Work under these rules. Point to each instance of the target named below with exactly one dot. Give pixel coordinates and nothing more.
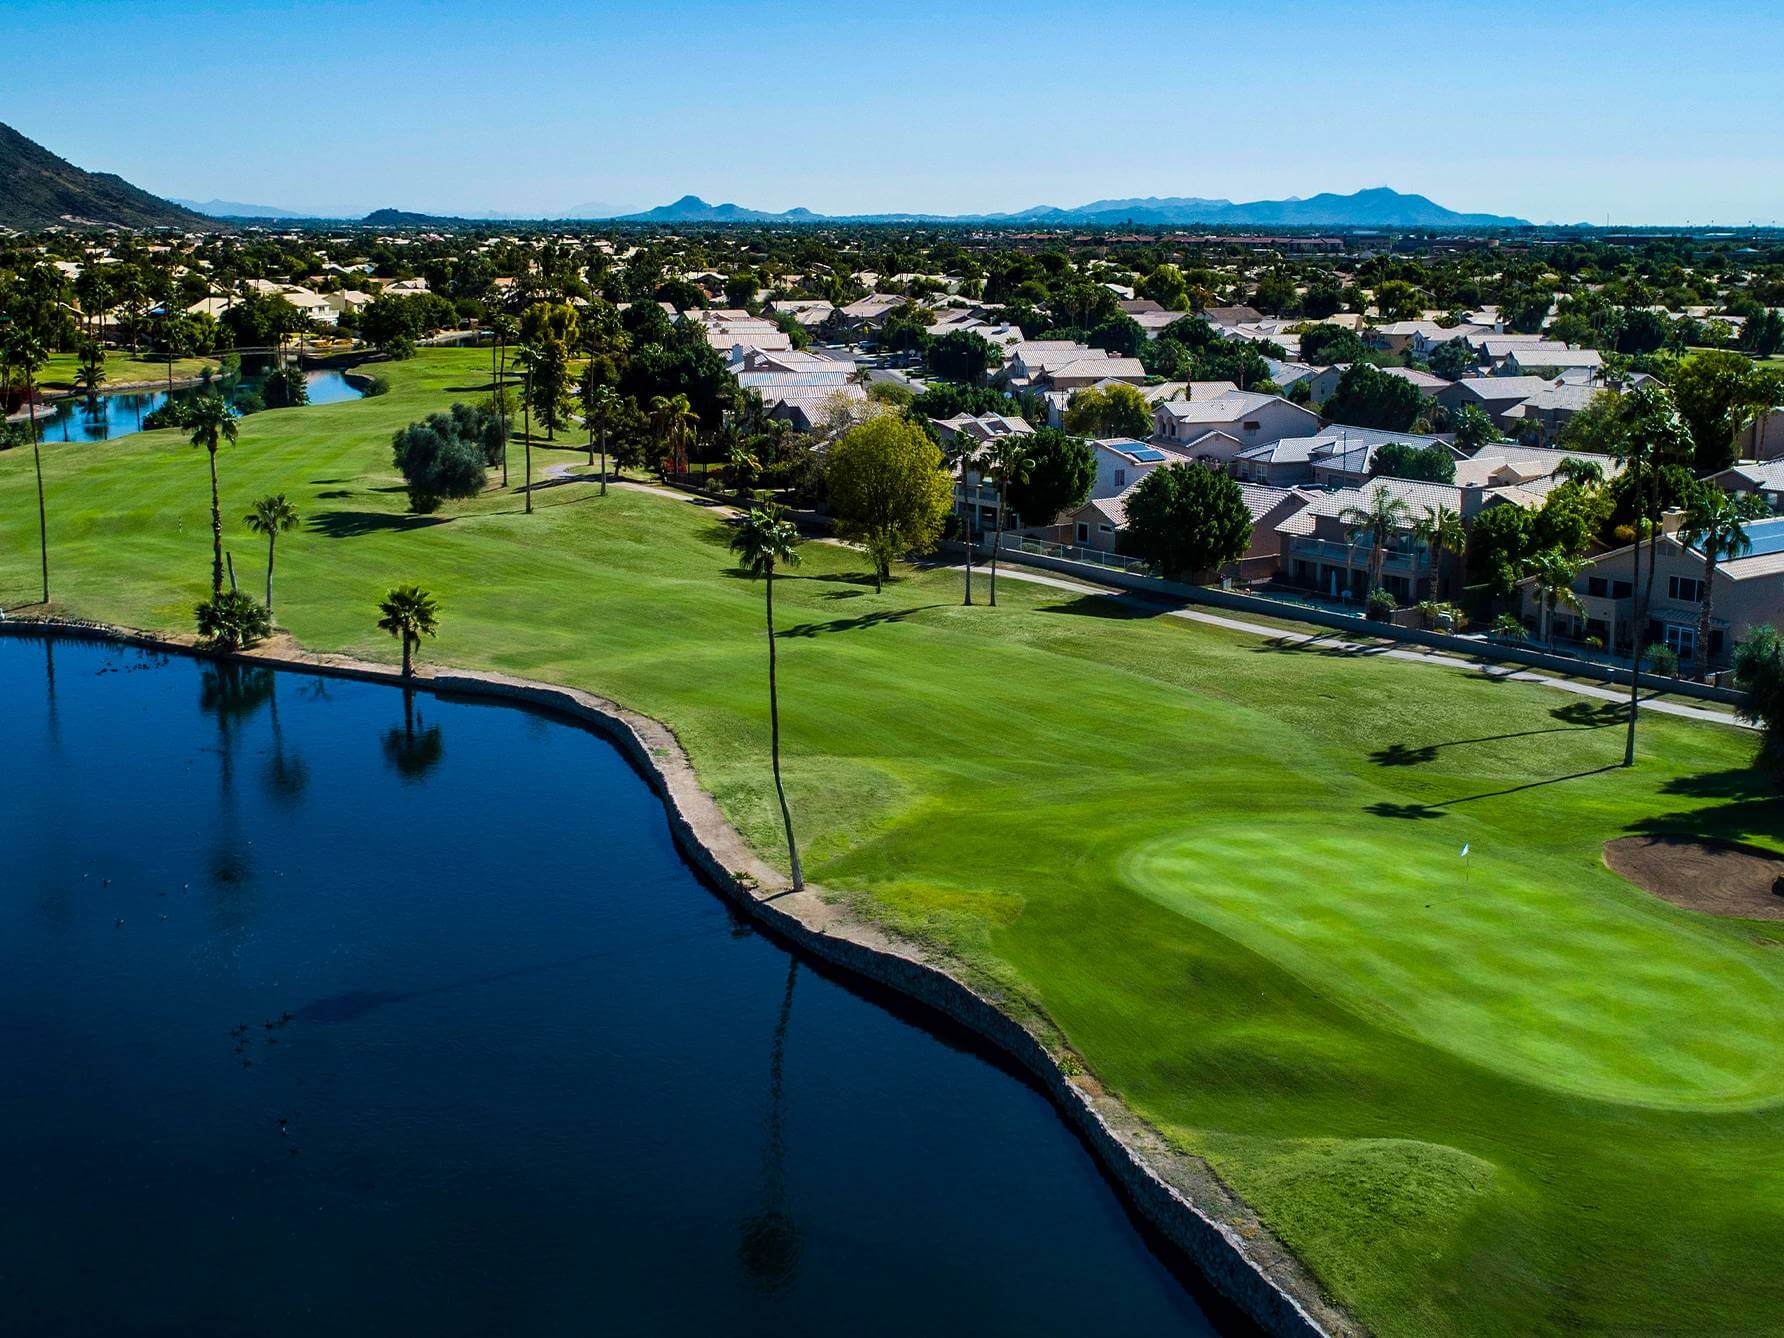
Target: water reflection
(768, 1244)
(230, 693)
(287, 774)
(416, 748)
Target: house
(1096, 369)
(1321, 382)
(1763, 438)
(1320, 553)
(1548, 359)
(1250, 417)
(1424, 382)
(1748, 590)
(1764, 480)
(1420, 337)
(1507, 464)
(1341, 456)
(985, 427)
(1122, 462)
(1494, 396)
(1545, 413)
(870, 312)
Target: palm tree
(410, 613)
(1377, 520)
(1585, 473)
(271, 516)
(1715, 525)
(600, 406)
(24, 353)
(213, 423)
(1553, 573)
(765, 539)
(503, 329)
(1440, 530)
(971, 458)
(527, 357)
(1649, 433)
(90, 376)
(1007, 460)
(675, 421)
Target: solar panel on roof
(1146, 453)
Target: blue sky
(1552, 109)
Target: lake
(121, 413)
(330, 1012)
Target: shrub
(233, 620)
(1509, 627)
(1381, 605)
(377, 385)
(1661, 659)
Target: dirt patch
(1716, 877)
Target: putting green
(1523, 974)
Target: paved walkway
(1599, 691)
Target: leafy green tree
(1454, 360)
(1061, 473)
(1571, 518)
(1376, 521)
(1431, 463)
(1713, 389)
(233, 620)
(1324, 345)
(962, 355)
(1499, 539)
(1165, 285)
(1763, 334)
(765, 541)
(1369, 397)
(1398, 300)
(271, 516)
(1716, 525)
(1759, 672)
(888, 490)
(285, 388)
(1472, 427)
(1186, 519)
(213, 422)
(1114, 410)
(409, 613)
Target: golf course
(1505, 1092)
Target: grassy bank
(1511, 1095)
(58, 371)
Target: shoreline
(1178, 1194)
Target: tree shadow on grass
(353, 524)
(334, 494)
(1738, 821)
(878, 618)
(1575, 717)
(1440, 807)
(1103, 606)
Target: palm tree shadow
(1104, 606)
(1576, 717)
(768, 1245)
(877, 618)
(1292, 645)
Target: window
(1682, 641)
(1621, 589)
(1686, 589)
(1105, 529)
(1083, 532)
(1596, 586)
(1121, 478)
(1252, 426)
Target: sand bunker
(1716, 877)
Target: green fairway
(121, 369)
(1505, 1095)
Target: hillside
(38, 189)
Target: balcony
(1357, 558)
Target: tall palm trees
(271, 516)
(676, 423)
(24, 353)
(527, 357)
(90, 375)
(1006, 461)
(1715, 525)
(409, 613)
(213, 423)
(1440, 530)
(971, 458)
(1553, 573)
(1649, 433)
(1380, 517)
(502, 331)
(600, 406)
(764, 541)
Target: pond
(121, 413)
(331, 1011)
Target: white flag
(1464, 851)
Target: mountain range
(40, 190)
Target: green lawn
(57, 374)
(1511, 1096)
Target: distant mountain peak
(39, 189)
